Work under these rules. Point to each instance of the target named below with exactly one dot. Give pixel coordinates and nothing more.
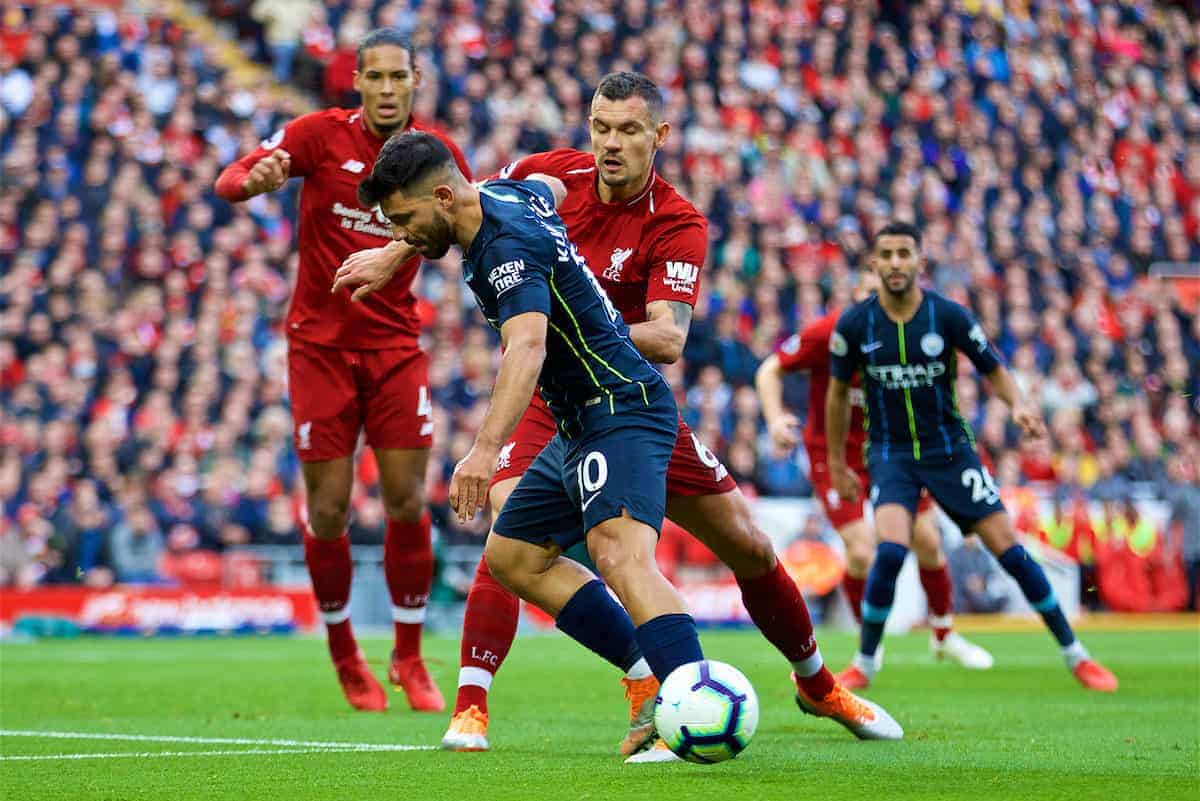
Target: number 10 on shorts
(593, 474)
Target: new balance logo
(354, 166)
(681, 276)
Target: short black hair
(386, 36)
(622, 85)
(898, 228)
(406, 159)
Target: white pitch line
(163, 738)
(146, 754)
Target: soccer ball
(706, 712)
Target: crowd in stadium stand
(1051, 156)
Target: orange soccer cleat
(1094, 676)
(410, 675)
(865, 719)
(641, 694)
(467, 732)
(362, 689)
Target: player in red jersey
(809, 350)
(646, 245)
(355, 367)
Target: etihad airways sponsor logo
(906, 376)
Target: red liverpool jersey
(645, 249)
(333, 151)
(809, 350)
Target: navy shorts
(618, 463)
(959, 483)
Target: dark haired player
(904, 342)
(355, 367)
(645, 245)
(809, 350)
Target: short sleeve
(519, 278)
(843, 347)
(302, 138)
(676, 257)
(968, 336)
(807, 350)
(522, 168)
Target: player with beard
(646, 245)
(356, 367)
(809, 350)
(904, 343)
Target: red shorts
(841, 512)
(694, 469)
(337, 393)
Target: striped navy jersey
(522, 261)
(908, 371)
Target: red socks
(854, 588)
(330, 567)
(489, 628)
(778, 609)
(408, 568)
(940, 595)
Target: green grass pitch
(1023, 730)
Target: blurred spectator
(1050, 164)
(135, 547)
(976, 578)
(283, 21)
(1181, 491)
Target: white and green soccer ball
(706, 712)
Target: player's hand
(270, 173)
(846, 482)
(368, 270)
(784, 431)
(469, 484)
(1029, 419)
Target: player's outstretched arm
(239, 182)
(782, 425)
(369, 271)
(661, 338)
(1025, 412)
(524, 337)
(837, 424)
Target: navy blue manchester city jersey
(908, 371)
(522, 261)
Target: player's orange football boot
(865, 719)
(362, 689)
(467, 732)
(1094, 676)
(853, 678)
(641, 694)
(410, 675)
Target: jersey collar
(361, 116)
(632, 201)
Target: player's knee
(859, 553)
(927, 542)
(406, 505)
(755, 553)
(615, 558)
(328, 518)
(501, 563)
